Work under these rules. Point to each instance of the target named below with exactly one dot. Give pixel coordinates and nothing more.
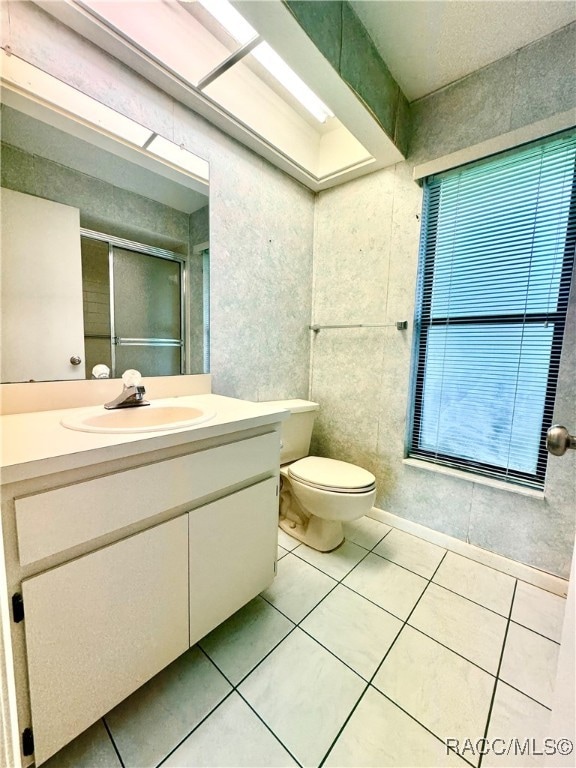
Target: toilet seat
(332, 475)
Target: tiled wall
(365, 263)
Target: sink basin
(150, 418)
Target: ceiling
(428, 44)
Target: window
(497, 252)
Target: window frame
(424, 322)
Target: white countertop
(36, 444)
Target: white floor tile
(149, 724)
(477, 582)
(386, 584)
(304, 695)
(355, 630)
(297, 588)
(443, 691)
(365, 532)
(413, 553)
(337, 563)
(529, 663)
(515, 718)
(463, 626)
(286, 541)
(232, 736)
(237, 645)
(281, 552)
(539, 610)
(382, 736)
(92, 749)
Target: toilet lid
(331, 474)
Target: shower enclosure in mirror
(133, 306)
(129, 284)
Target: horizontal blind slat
(492, 294)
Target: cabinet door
(233, 545)
(99, 627)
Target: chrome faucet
(132, 393)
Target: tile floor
(372, 655)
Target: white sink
(149, 418)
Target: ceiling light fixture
(178, 156)
(23, 78)
(237, 26)
(20, 75)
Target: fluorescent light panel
(46, 89)
(235, 24)
(178, 156)
(232, 21)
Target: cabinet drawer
(53, 521)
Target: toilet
(317, 494)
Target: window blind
(496, 259)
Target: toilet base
(318, 533)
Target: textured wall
(532, 84)
(261, 226)
(365, 259)
(365, 264)
(103, 207)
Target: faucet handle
(131, 378)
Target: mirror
(130, 287)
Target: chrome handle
(75, 360)
(558, 440)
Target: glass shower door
(147, 317)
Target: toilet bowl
(317, 494)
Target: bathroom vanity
(123, 550)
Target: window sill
(499, 485)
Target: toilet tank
(297, 428)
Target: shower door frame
(146, 250)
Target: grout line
(339, 581)
(109, 732)
(375, 672)
(269, 729)
(203, 720)
(405, 622)
(456, 653)
(469, 599)
(405, 567)
(490, 708)
(369, 684)
(318, 642)
(439, 738)
(535, 631)
(224, 675)
(239, 683)
(488, 553)
(386, 610)
(523, 693)
(343, 726)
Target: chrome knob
(558, 440)
(75, 360)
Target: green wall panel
(342, 39)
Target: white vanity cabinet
(100, 626)
(122, 567)
(230, 542)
